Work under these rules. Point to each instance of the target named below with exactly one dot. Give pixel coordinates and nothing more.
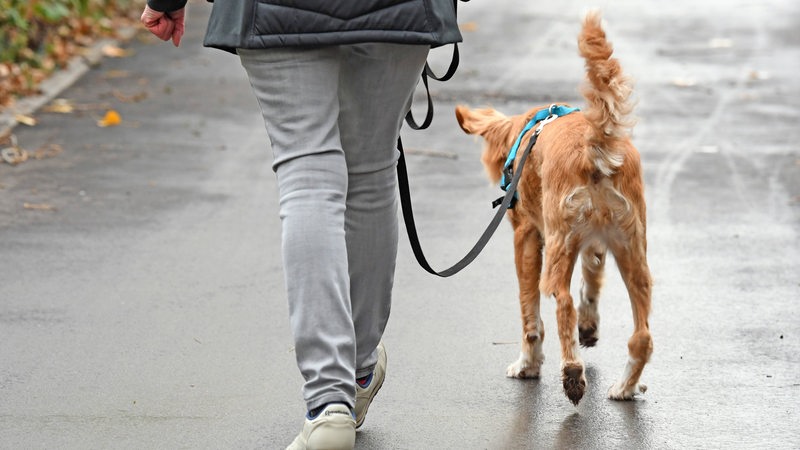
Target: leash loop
(427, 72)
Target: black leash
(411, 228)
(428, 72)
(505, 202)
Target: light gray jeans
(333, 115)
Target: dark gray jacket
(280, 23)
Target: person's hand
(165, 26)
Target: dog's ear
(488, 122)
(496, 130)
(463, 118)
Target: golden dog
(581, 193)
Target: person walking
(334, 81)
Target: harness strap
(547, 114)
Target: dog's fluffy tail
(607, 91)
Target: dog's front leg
(528, 245)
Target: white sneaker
(364, 395)
(332, 429)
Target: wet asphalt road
(144, 307)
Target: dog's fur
(581, 194)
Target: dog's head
(498, 132)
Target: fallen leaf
(111, 119)
(758, 75)
(39, 206)
(14, 155)
(8, 138)
(60, 105)
(92, 106)
(25, 119)
(111, 74)
(468, 27)
(47, 151)
(112, 51)
(135, 98)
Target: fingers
(165, 26)
(178, 18)
(150, 17)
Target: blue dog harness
(542, 117)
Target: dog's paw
(588, 336)
(524, 367)
(620, 391)
(574, 381)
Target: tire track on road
(675, 160)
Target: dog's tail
(607, 91)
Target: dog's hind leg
(528, 246)
(632, 262)
(560, 258)
(593, 260)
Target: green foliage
(38, 35)
(51, 11)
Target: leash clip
(551, 117)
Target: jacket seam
(372, 11)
